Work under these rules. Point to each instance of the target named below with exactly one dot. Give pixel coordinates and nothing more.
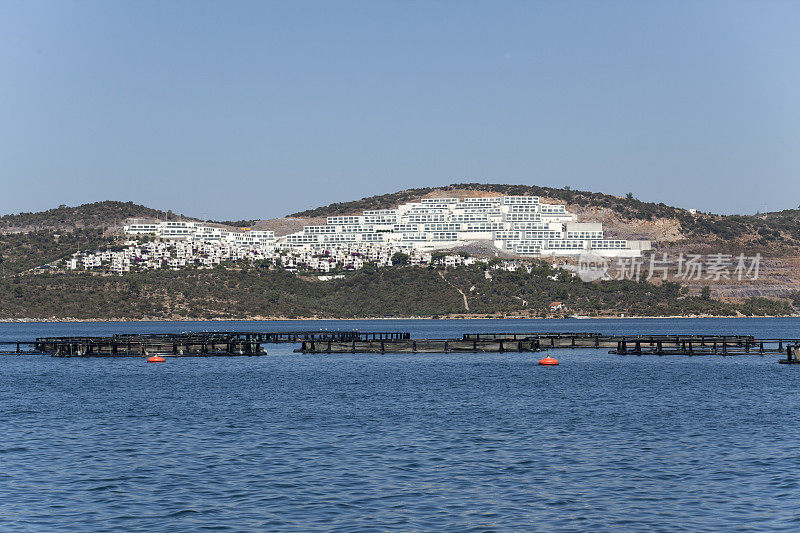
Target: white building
(519, 225)
(199, 232)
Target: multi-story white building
(199, 232)
(519, 225)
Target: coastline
(360, 319)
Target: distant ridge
(630, 207)
(104, 214)
(778, 232)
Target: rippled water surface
(409, 442)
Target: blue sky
(258, 109)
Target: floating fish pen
(533, 342)
(650, 344)
(330, 342)
(193, 344)
(726, 345)
(420, 346)
(16, 347)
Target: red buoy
(548, 361)
(155, 359)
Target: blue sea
(362, 442)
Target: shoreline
(361, 319)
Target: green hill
(394, 291)
(23, 251)
(94, 215)
(28, 240)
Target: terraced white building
(199, 232)
(519, 225)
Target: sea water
(353, 442)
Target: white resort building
(520, 226)
(517, 225)
(199, 232)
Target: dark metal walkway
(194, 344)
(327, 341)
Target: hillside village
(517, 226)
(115, 259)
(177, 255)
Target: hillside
(777, 233)
(20, 252)
(107, 214)
(393, 291)
(626, 217)
(28, 240)
(631, 208)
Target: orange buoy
(155, 359)
(548, 361)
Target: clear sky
(258, 109)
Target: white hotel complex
(199, 232)
(517, 225)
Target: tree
(629, 196)
(437, 256)
(795, 296)
(399, 258)
(705, 293)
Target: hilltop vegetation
(28, 240)
(22, 251)
(770, 229)
(94, 215)
(394, 291)
(628, 207)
